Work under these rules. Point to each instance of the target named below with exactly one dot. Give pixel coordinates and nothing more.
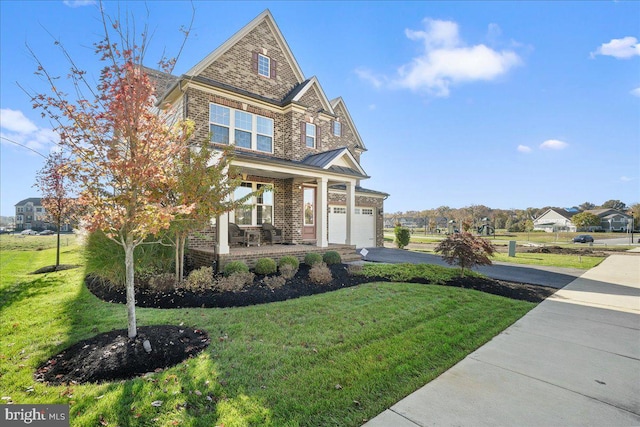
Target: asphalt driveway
(554, 277)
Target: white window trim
(314, 136)
(254, 206)
(268, 75)
(254, 128)
(337, 128)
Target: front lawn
(337, 358)
(550, 260)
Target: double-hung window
(337, 128)
(264, 65)
(256, 210)
(310, 137)
(236, 127)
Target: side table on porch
(252, 237)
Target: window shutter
(303, 133)
(254, 62)
(318, 136)
(273, 68)
(341, 129)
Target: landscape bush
(331, 257)
(275, 282)
(199, 280)
(320, 274)
(233, 282)
(287, 271)
(105, 258)
(312, 258)
(233, 267)
(289, 260)
(403, 236)
(265, 266)
(164, 282)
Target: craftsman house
(288, 137)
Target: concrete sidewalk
(574, 360)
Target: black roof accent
(324, 158)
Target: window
(367, 211)
(257, 210)
(337, 129)
(38, 209)
(20, 209)
(339, 210)
(247, 130)
(264, 65)
(310, 137)
(19, 218)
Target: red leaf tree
(56, 189)
(124, 149)
(465, 250)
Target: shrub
(331, 257)
(312, 258)
(403, 235)
(265, 266)
(289, 260)
(275, 282)
(234, 282)
(354, 269)
(200, 279)
(465, 250)
(233, 267)
(287, 271)
(105, 258)
(320, 274)
(164, 282)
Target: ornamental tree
(585, 219)
(465, 250)
(123, 148)
(56, 188)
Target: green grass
(551, 260)
(10, 242)
(332, 359)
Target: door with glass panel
(308, 213)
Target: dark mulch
(113, 356)
(52, 268)
(567, 251)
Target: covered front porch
(205, 257)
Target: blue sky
(506, 104)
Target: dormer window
(264, 65)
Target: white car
(29, 232)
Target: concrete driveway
(554, 277)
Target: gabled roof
(34, 200)
(604, 212)
(559, 211)
(343, 187)
(308, 85)
(263, 17)
(339, 101)
(332, 159)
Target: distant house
(554, 220)
(560, 220)
(30, 214)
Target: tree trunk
(183, 242)
(58, 247)
(177, 258)
(129, 282)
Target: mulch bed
(113, 356)
(52, 268)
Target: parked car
(29, 232)
(583, 238)
(46, 233)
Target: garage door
(364, 226)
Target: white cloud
(446, 60)
(636, 92)
(625, 179)
(524, 148)
(624, 48)
(78, 3)
(17, 128)
(553, 144)
(368, 76)
(15, 121)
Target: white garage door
(364, 224)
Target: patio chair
(236, 234)
(272, 234)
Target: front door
(309, 213)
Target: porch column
(222, 233)
(323, 218)
(351, 205)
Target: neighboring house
(560, 220)
(30, 214)
(612, 219)
(554, 220)
(288, 136)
